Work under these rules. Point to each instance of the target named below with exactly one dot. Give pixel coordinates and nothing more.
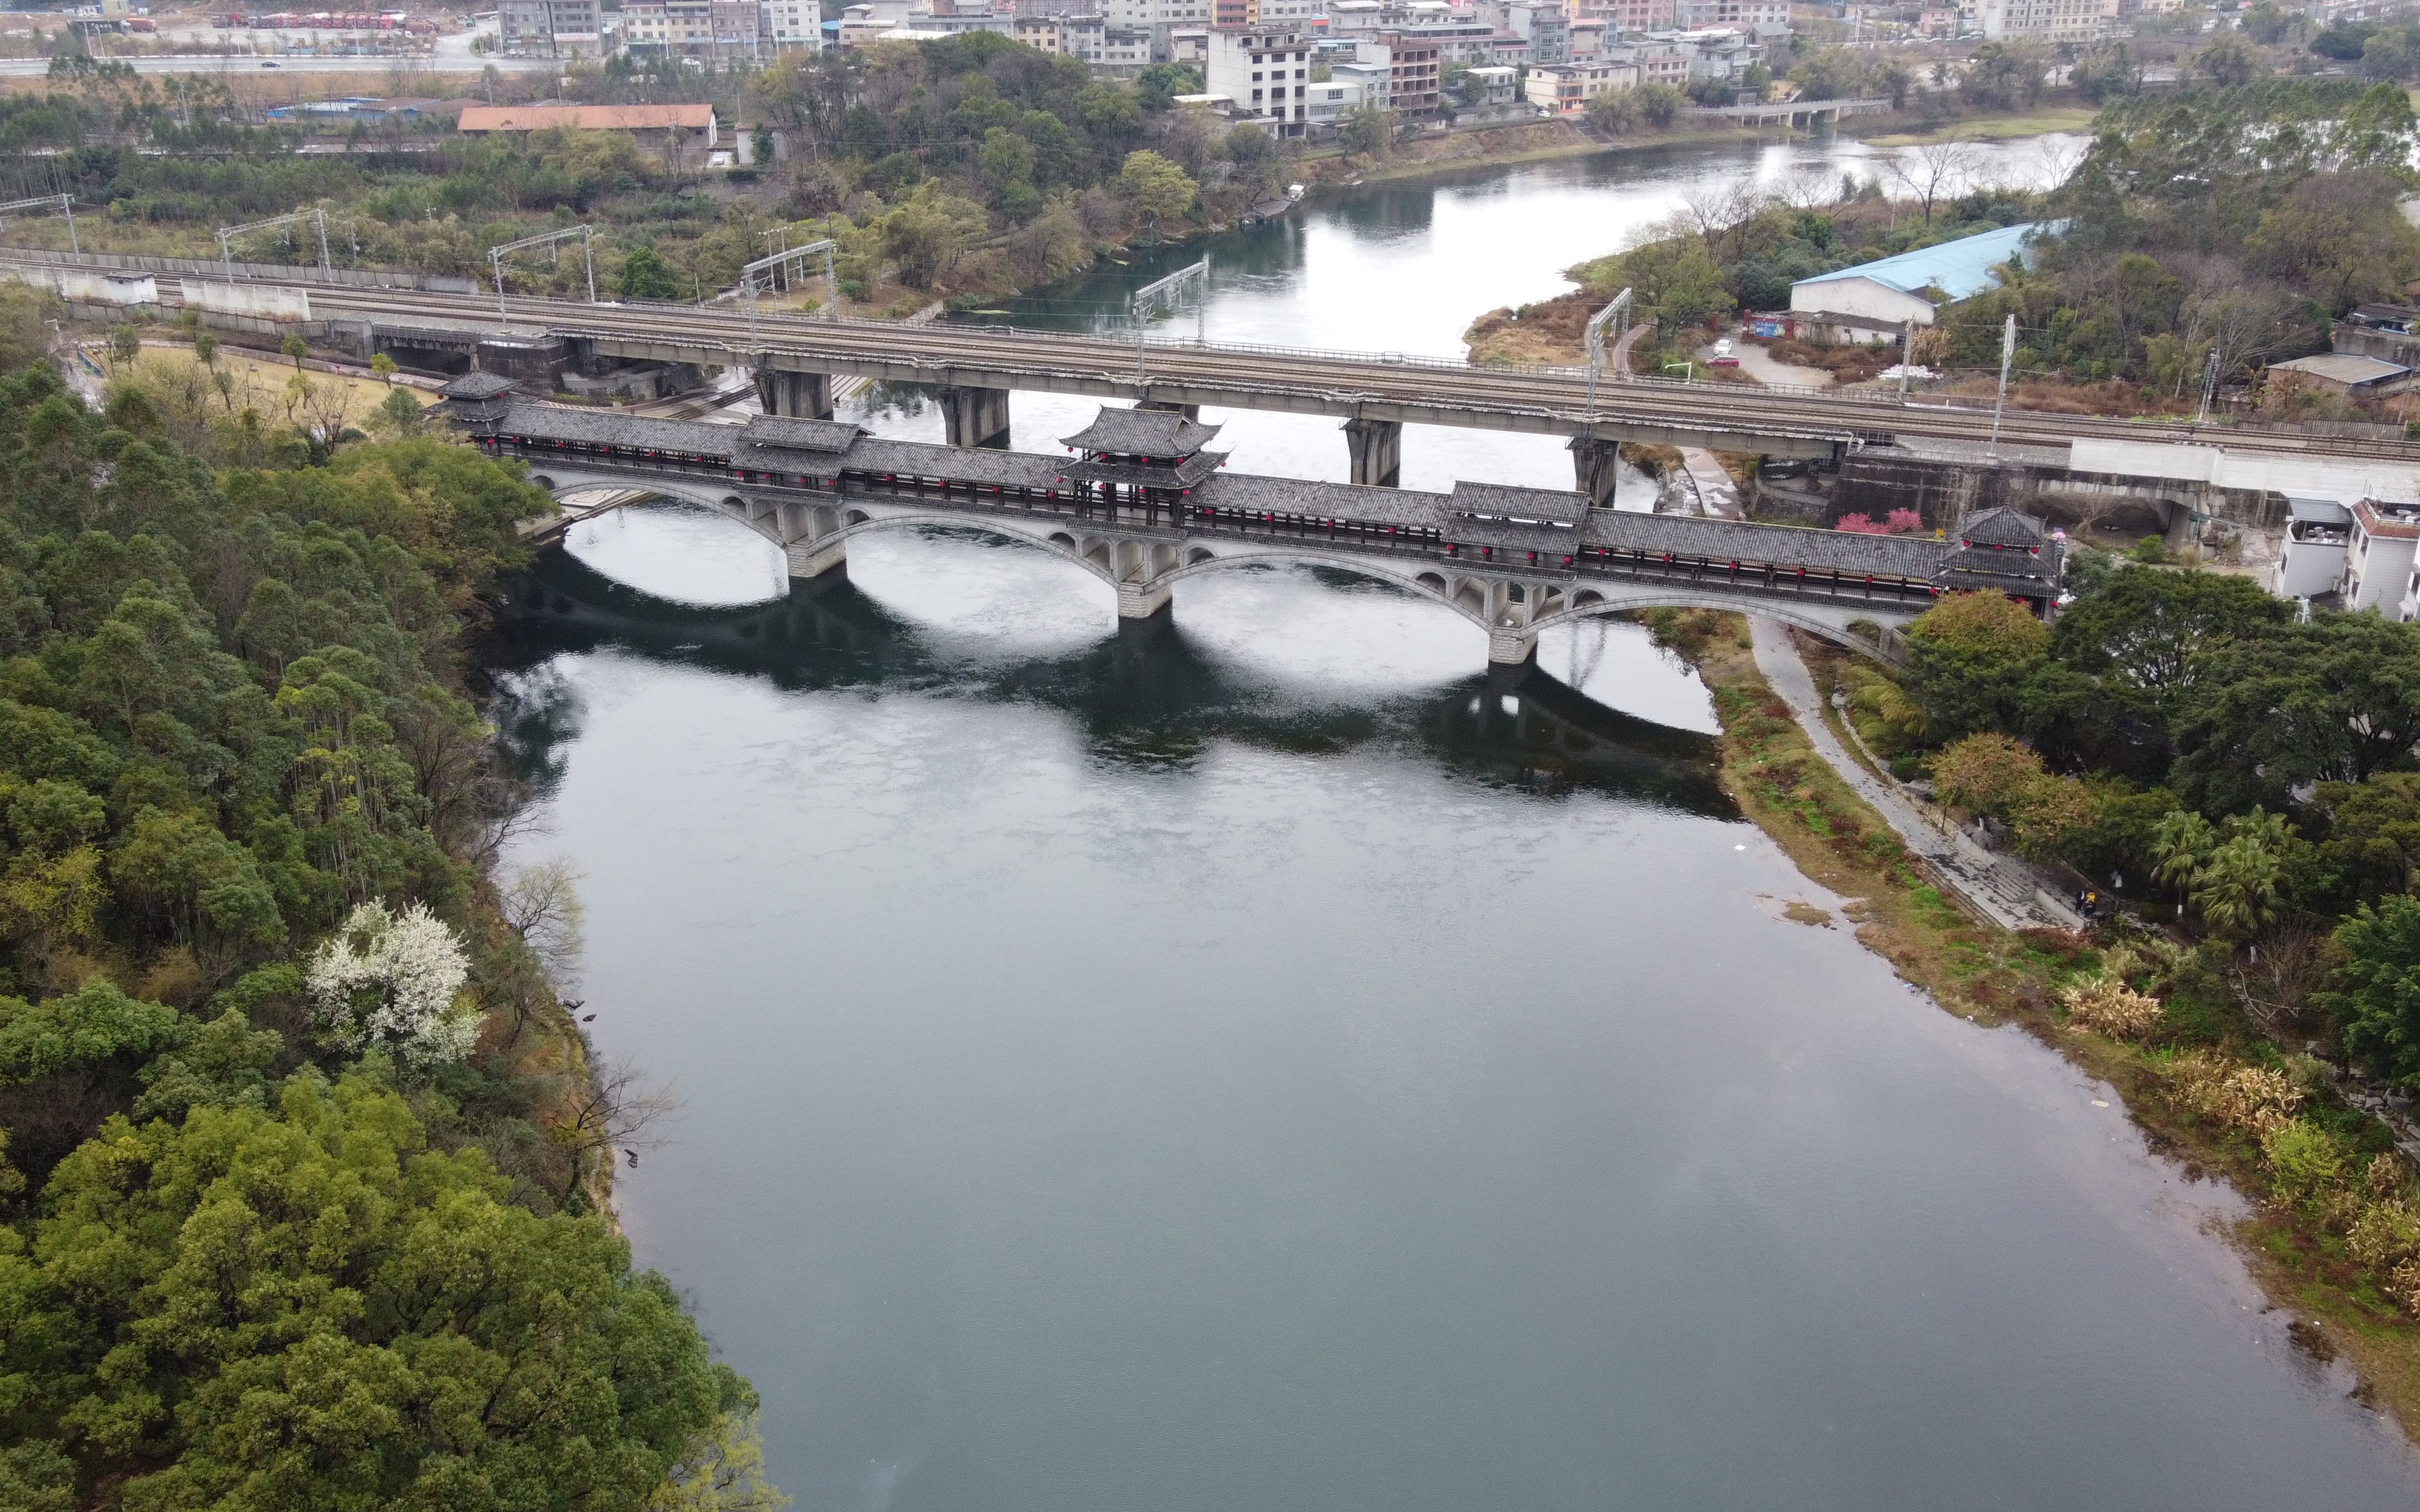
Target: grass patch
(1994, 128)
(2296, 1249)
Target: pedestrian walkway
(2000, 888)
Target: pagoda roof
(1142, 433)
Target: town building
(694, 28)
(1266, 72)
(1332, 100)
(1699, 15)
(2048, 20)
(655, 126)
(2378, 571)
(1414, 72)
(1629, 16)
(1566, 88)
(1873, 301)
(551, 28)
(1547, 27)
(2353, 375)
(2311, 561)
(794, 25)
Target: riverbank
(2042, 121)
(2304, 1245)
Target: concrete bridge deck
(797, 356)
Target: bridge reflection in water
(1149, 695)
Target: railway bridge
(1144, 504)
(795, 359)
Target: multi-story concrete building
(1545, 26)
(1332, 100)
(1566, 88)
(551, 28)
(1699, 15)
(1630, 16)
(2049, 20)
(792, 25)
(1415, 66)
(696, 28)
(1266, 72)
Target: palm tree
(2178, 847)
(2236, 888)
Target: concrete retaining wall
(246, 300)
(274, 273)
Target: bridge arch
(1460, 595)
(1827, 622)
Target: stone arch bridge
(1143, 569)
(1142, 506)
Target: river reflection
(1154, 695)
(1264, 1064)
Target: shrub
(2249, 1097)
(2107, 1006)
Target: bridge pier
(1598, 465)
(1377, 447)
(1142, 601)
(794, 396)
(975, 417)
(812, 562)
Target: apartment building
(794, 25)
(1547, 27)
(1415, 67)
(1630, 16)
(551, 28)
(695, 28)
(1699, 15)
(1267, 72)
(2049, 20)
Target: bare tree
(541, 901)
(1716, 213)
(1931, 173)
(612, 1107)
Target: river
(1260, 1064)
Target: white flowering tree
(391, 981)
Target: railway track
(1557, 399)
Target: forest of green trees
(300, 1154)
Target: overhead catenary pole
(1906, 355)
(2209, 388)
(587, 251)
(1617, 314)
(226, 235)
(2007, 355)
(783, 259)
(66, 203)
(1196, 277)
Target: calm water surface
(1262, 1064)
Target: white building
(1872, 301)
(1566, 88)
(1338, 98)
(1547, 27)
(2049, 20)
(2378, 570)
(2319, 534)
(1267, 72)
(794, 25)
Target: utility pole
(2007, 355)
(1906, 355)
(2208, 387)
